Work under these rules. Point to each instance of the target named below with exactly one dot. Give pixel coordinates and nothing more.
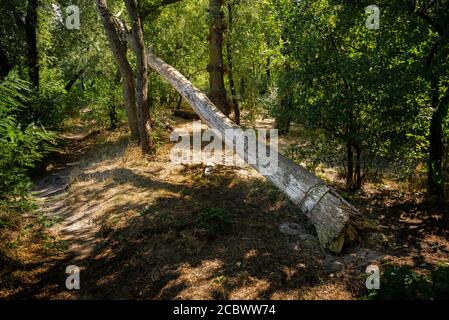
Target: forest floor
(143, 228)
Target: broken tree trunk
(335, 220)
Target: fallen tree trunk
(335, 220)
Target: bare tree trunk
(215, 68)
(436, 148)
(283, 119)
(349, 164)
(31, 39)
(5, 65)
(440, 106)
(235, 102)
(72, 81)
(143, 109)
(119, 52)
(178, 105)
(335, 220)
(358, 165)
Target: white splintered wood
(331, 215)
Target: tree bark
(5, 65)
(72, 81)
(283, 119)
(349, 164)
(335, 220)
(436, 147)
(235, 102)
(119, 52)
(358, 166)
(215, 68)
(142, 106)
(440, 106)
(31, 39)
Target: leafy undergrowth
(406, 283)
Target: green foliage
(21, 145)
(214, 220)
(404, 283)
(321, 151)
(369, 88)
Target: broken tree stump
(335, 220)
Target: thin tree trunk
(235, 102)
(349, 164)
(113, 120)
(143, 109)
(119, 52)
(436, 147)
(72, 81)
(5, 65)
(267, 81)
(283, 119)
(31, 39)
(268, 71)
(335, 220)
(358, 165)
(215, 68)
(440, 107)
(178, 105)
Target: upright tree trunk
(235, 102)
(267, 81)
(358, 166)
(436, 146)
(119, 52)
(143, 110)
(215, 68)
(31, 39)
(440, 106)
(283, 119)
(349, 164)
(178, 105)
(5, 65)
(268, 71)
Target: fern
(22, 145)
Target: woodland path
(75, 227)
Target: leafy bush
(21, 145)
(322, 151)
(404, 283)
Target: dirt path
(74, 227)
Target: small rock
(291, 229)
(334, 266)
(363, 257)
(374, 256)
(209, 169)
(350, 258)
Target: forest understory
(140, 227)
